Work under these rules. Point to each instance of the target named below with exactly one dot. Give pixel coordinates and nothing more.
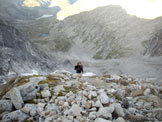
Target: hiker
(79, 67)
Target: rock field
(65, 97)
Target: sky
(72, 1)
(147, 9)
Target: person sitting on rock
(79, 67)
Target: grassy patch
(50, 81)
(25, 79)
(63, 45)
(117, 96)
(22, 81)
(73, 89)
(30, 102)
(107, 76)
(60, 94)
(40, 96)
(98, 55)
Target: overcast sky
(148, 9)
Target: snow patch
(87, 74)
(34, 72)
(44, 16)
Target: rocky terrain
(18, 55)
(65, 97)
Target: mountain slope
(104, 33)
(18, 54)
(155, 45)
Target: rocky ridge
(103, 33)
(65, 97)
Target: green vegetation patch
(107, 76)
(74, 89)
(30, 101)
(117, 96)
(51, 81)
(98, 55)
(63, 45)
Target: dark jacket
(79, 68)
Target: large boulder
(46, 93)
(30, 109)
(28, 90)
(16, 98)
(5, 105)
(104, 113)
(75, 110)
(104, 98)
(14, 116)
(119, 110)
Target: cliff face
(18, 54)
(103, 33)
(155, 45)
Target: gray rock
(45, 93)
(28, 90)
(30, 96)
(92, 94)
(104, 98)
(92, 115)
(43, 86)
(98, 104)
(33, 112)
(30, 86)
(120, 119)
(40, 109)
(5, 105)
(90, 87)
(147, 92)
(119, 110)
(132, 110)
(110, 109)
(51, 107)
(15, 116)
(101, 120)
(36, 80)
(115, 77)
(103, 113)
(16, 98)
(29, 108)
(75, 110)
(58, 88)
(66, 104)
(57, 75)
